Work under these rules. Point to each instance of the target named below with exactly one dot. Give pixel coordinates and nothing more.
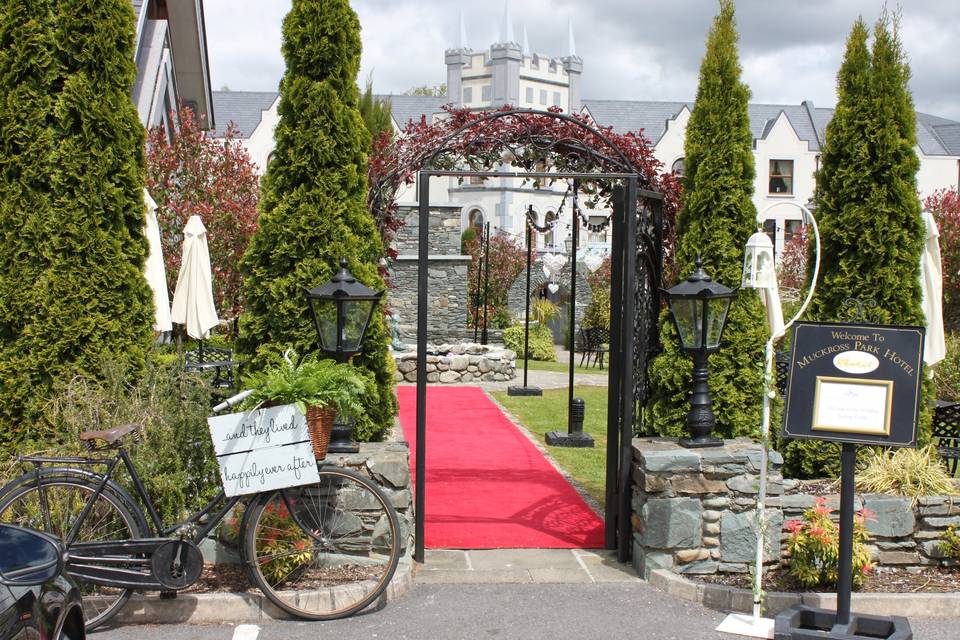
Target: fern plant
(313, 382)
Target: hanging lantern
(759, 267)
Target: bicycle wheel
(325, 550)
(110, 518)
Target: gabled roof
(243, 108)
(634, 115)
(935, 135)
(407, 108)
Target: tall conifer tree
(28, 77)
(716, 218)
(313, 203)
(869, 215)
(93, 299)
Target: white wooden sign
(263, 449)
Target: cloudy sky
(632, 49)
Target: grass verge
(549, 413)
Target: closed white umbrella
(931, 289)
(154, 270)
(193, 300)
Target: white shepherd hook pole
(757, 626)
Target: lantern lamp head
(759, 266)
(699, 308)
(341, 309)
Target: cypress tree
(93, 299)
(869, 215)
(28, 75)
(376, 113)
(716, 218)
(313, 202)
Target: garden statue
(395, 341)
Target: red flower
(793, 526)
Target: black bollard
(574, 437)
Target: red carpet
(487, 485)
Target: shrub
(214, 178)
(945, 205)
(906, 472)
(950, 543)
(175, 458)
(871, 230)
(313, 204)
(814, 546)
(717, 217)
(946, 373)
(508, 259)
(540, 342)
(542, 311)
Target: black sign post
(852, 384)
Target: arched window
(678, 167)
(475, 219)
(550, 237)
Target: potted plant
(320, 388)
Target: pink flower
(793, 526)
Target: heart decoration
(593, 262)
(553, 263)
(553, 287)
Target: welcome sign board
(857, 383)
(263, 450)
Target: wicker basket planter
(320, 425)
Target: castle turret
(573, 65)
(456, 59)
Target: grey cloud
(632, 49)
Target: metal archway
(637, 261)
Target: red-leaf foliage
(522, 138)
(945, 205)
(215, 179)
(508, 259)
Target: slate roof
(935, 135)
(243, 108)
(632, 115)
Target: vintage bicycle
(318, 551)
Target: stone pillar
(456, 60)
(694, 509)
(505, 58)
(573, 65)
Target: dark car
(38, 601)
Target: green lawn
(549, 413)
(537, 365)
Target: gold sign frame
(882, 430)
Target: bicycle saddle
(110, 435)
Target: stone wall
(446, 274)
(450, 364)
(694, 511)
(515, 297)
(386, 463)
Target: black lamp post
(699, 308)
(341, 309)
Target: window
(678, 167)
(530, 95)
(549, 238)
(467, 94)
(543, 96)
(486, 94)
(475, 219)
(770, 228)
(556, 98)
(476, 180)
(781, 177)
(790, 229)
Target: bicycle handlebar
(232, 401)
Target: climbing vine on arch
(481, 140)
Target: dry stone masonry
(453, 363)
(694, 512)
